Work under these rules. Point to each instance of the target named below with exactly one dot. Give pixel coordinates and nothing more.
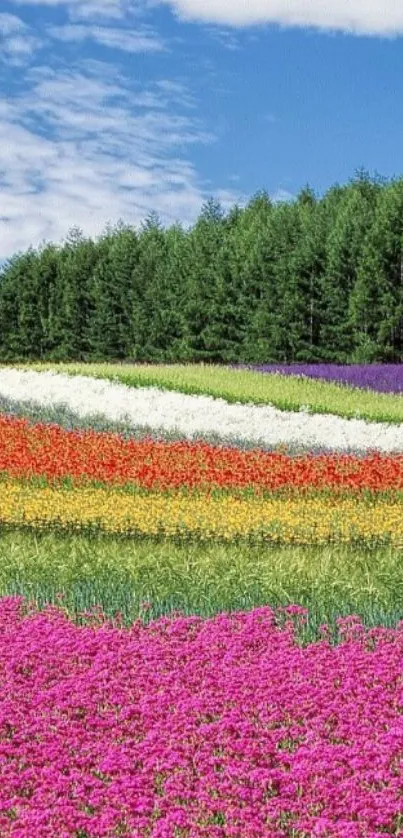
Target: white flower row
(194, 416)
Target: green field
(120, 574)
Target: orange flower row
(27, 450)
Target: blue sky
(112, 108)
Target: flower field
(382, 378)
(201, 613)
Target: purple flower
(383, 378)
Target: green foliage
(147, 316)
(376, 304)
(110, 333)
(203, 281)
(120, 575)
(246, 386)
(17, 286)
(314, 279)
(348, 234)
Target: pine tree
(30, 329)
(11, 285)
(205, 241)
(167, 296)
(110, 332)
(145, 302)
(376, 305)
(225, 330)
(72, 302)
(307, 265)
(284, 303)
(46, 267)
(344, 251)
(250, 268)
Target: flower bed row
(192, 728)
(295, 519)
(382, 378)
(51, 451)
(374, 423)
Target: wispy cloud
(96, 9)
(87, 9)
(84, 144)
(129, 40)
(227, 38)
(10, 25)
(81, 146)
(17, 42)
(361, 17)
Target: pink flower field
(198, 727)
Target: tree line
(314, 279)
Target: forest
(310, 280)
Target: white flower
(193, 416)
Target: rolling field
(201, 613)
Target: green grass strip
(121, 576)
(246, 386)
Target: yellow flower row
(297, 520)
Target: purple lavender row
(383, 378)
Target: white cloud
(360, 17)
(176, 93)
(226, 38)
(89, 9)
(17, 43)
(10, 24)
(141, 40)
(95, 9)
(82, 147)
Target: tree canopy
(312, 279)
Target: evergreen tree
(251, 267)
(72, 301)
(167, 296)
(283, 303)
(226, 326)
(46, 268)
(12, 279)
(376, 304)
(313, 279)
(30, 329)
(307, 266)
(345, 247)
(205, 241)
(145, 305)
(110, 330)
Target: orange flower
(54, 453)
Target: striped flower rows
(292, 520)
(187, 726)
(196, 415)
(55, 453)
(196, 490)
